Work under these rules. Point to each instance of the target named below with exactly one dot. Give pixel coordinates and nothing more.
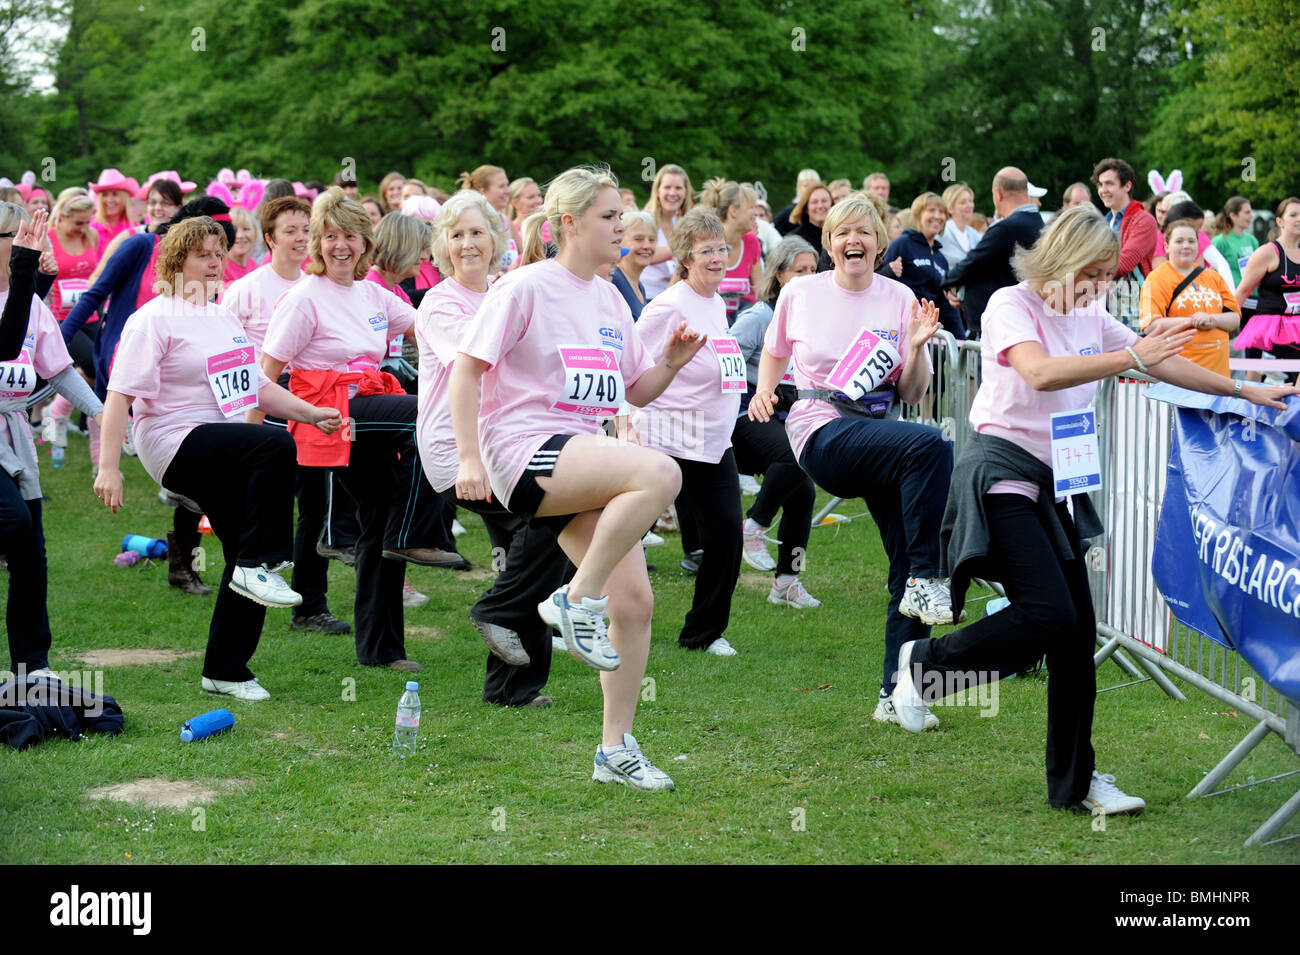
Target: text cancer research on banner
(1227, 555)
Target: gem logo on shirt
(890, 335)
(239, 340)
(378, 322)
(1090, 349)
(613, 337)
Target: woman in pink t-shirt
(41, 352)
(191, 372)
(557, 352)
(332, 330)
(858, 345)
(693, 418)
(1046, 344)
(735, 203)
(468, 242)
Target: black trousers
(320, 498)
(712, 495)
(764, 448)
(1051, 612)
(397, 509)
(22, 542)
(530, 566)
(242, 477)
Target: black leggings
(22, 542)
(242, 477)
(712, 492)
(764, 448)
(1051, 612)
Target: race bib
(1292, 300)
(732, 364)
(593, 382)
(17, 377)
(395, 347)
(734, 287)
(232, 376)
(867, 364)
(71, 290)
(1241, 262)
(1076, 464)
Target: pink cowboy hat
(112, 179)
(173, 175)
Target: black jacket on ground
(45, 707)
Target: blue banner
(1227, 549)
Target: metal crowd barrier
(1134, 627)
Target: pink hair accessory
(421, 207)
(250, 196)
(1158, 184)
(111, 180)
(302, 192)
(185, 186)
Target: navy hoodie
(924, 272)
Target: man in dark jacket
(988, 266)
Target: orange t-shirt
(1208, 293)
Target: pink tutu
(1265, 331)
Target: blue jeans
(901, 470)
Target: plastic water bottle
(996, 604)
(152, 547)
(209, 724)
(56, 455)
(408, 721)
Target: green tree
(1230, 122)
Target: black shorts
(527, 495)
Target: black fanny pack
(875, 404)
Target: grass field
(774, 752)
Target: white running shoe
(721, 648)
(748, 486)
(792, 595)
(264, 586)
(1104, 797)
(928, 600)
(909, 707)
(412, 598)
(630, 767)
(583, 627)
(885, 714)
(457, 528)
(652, 539)
(753, 547)
(250, 691)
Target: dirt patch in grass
(425, 633)
(156, 792)
(127, 658)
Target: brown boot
(180, 572)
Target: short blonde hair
(334, 210)
(1075, 239)
(452, 210)
(71, 201)
(923, 202)
(952, 195)
(517, 188)
(384, 183)
(850, 209)
(399, 240)
(570, 193)
(186, 236)
(700, 223)
(640, 217)
(242, 218)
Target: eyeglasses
(709, 253)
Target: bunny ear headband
(761, 190)
(249, 196)
(1159, 185)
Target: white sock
(608, 750)
(785, 580)
(753, 527)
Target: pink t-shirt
(527, 316)
(252, 299)
(1005, 405)
(43, 353)
(163, 361)
(818, 322)
(320, 325)
(736, 287)
(234, 271)
(693, 418)
(441, 321)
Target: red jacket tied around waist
(324, 388)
